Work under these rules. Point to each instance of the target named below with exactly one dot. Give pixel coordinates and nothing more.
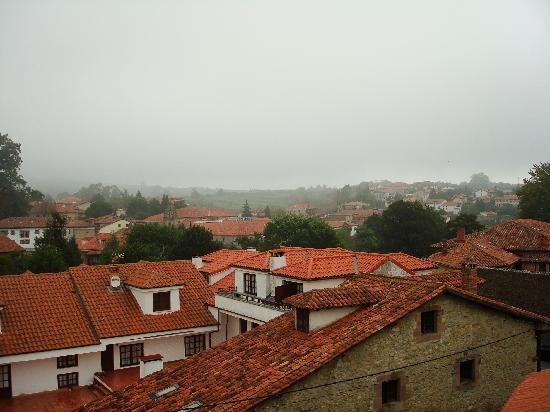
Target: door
(107, 359)
(5, 381)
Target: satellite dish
(115, 281)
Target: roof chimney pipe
(355, 265)
(469, 277)
(461, 234)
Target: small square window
(67, 361)
(161, 301)
(428, 322)
(130, 354)
(194, 344)
(37, 231)
(250, 283)
(390, 391)
(67, 380)
(302, 319)
(467, 371)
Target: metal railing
(232, 293)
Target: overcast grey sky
(271, 94)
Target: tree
(534, 195)
(296, 230)
(479, 181)
(246, 242)
(53, 251)
(408, 227)
(463, 220)
(14, 192)
(111, 249)
(267, 211)
(246, 210)
(99, 207)
(137, 206)
(195, 241)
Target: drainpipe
(538, 336)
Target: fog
(275, 94)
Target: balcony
(249, 306)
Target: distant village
(466, 327)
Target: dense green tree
(162, 242)
(534, 195)
(99, 207)
(408, 227)
(368, 234)
(267, 211)
(54, 245)
(246, 210)
(14, 192)
(255, 242)
(110, 251)
(296, 230)
(165, 202)
(479, 181)
(467, 221)
(137, 207)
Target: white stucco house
(253, 288)
(95, 320)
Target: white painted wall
(15, 235)
(321, 318)
(147, 368)
(219, 276)
(115, 226)
(144, 298)
(233, 328)
(390, 269)
(248, 310)
(41, 375)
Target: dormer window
(161, 301)
(302, 320)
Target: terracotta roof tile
(8, 246)
(118, 313)
(195, 212)
(334, 298)
(223, 259)
(236, 227)
(272, 357)
(474, 251)
(34, 321)
(533, 394)
(23, 222)
(227, 282)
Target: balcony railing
(255, 300)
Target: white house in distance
(253, 289)
(97, 320)
(110, 223)
(25, 230)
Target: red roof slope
(334, 298)
(244, 371)
(411, 263)
(236, 227)
(532, 395)
(227, 282)
(150, 277)
(194, 212)
(8, 246)
(23, 222)
(41, 313)
(473, 251)
(118, 313)
(223, 259)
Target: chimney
(277, 260)
(461, 234)
(150, 364)
(469, 277)
(197, 261)
(355, 265)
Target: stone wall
(428, 386)
(525, 290)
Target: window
(250, 283)
(66, 380)
(67, 361)
(428, 322)
(299, 286)
(390, 391)
(542, 267)
(194, 344)
(130, 354)
(302, 320)
(242, 325)
(12, 232)
(467, 371)
(4, 376)
(24, 234)
(254, 325)
(36, 231)
(161, 301)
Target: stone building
(375, 343)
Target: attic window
(302, 320)
(161, 301)
(164, 391)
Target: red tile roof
(9, 246)
(223, 259)
(533, 394)
(473, 251)
(79, 224)
(151, 277)
(118, 313)
(269, 359)
(236, 227)
(225, 283)
(41, 313)
(194, 212)
(23, 222)
(71, 200)
(334, 298)
(411, 262)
